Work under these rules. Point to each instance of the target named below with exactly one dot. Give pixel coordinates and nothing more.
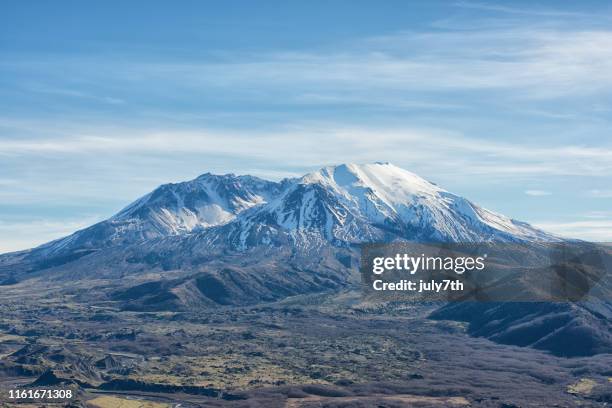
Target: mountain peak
(375, 202)
(391, 184)
(209, 175)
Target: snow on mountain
(338, 205)
(353, 203)
(207, 201)
(173, 209)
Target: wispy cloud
(527, 10)
(598, 214)
(522, 61)
(600, 193)
(600, 230)
(593, 226)
(537, 193)
(311, 144)
(75, 94)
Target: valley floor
(309, 351)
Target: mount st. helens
(183, 226)
(239, 240)
(343, 204)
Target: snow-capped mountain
(377, 202)
(232, 240)
(338, 206)
(173, 209)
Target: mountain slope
(171, 209)
(565, 329)
(378, 202)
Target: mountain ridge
(350, 204)
(343, 204)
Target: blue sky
(506, 103)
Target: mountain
(171, 209)
(562, 328)
(337, 205)
(239, 240)
(350, 204)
